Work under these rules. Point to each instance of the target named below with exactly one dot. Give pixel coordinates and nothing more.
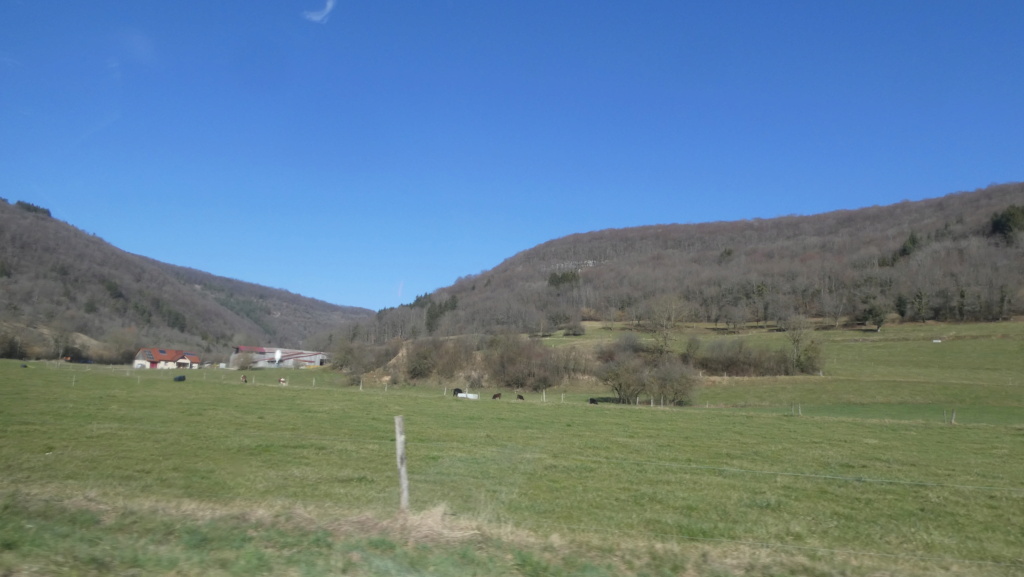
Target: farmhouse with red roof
(165, 359)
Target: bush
(673, 381)
(435, 356)
(421, 360)
(736, 358)
(11, 348)
(515, 362)
(626, 375)
(632, 370)
(689, 356)
(357, 357)
(575, 329)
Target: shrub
(422, 359)
(575, 329)
(734, 357)
(515, 362)
(632, 369)
(672, 381)
(11, 347)
(626, 375)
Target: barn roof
(166, 355)
(285, 353)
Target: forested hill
(63, 288)
(958, 257)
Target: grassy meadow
(857, 471)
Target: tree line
(955, 258)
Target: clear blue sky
(366, 151)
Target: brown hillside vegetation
(64, 290)
(955, 258)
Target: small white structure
(468, 395)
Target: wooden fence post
(403, 478)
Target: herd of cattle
(497, 396)
(455, 392)
(494, 397)
(282, 381)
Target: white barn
(263, 357)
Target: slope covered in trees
(64, 290)
(954, 258)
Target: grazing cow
(244, 380)
(496, 396)
(456, 392)
(593, 401)
(282, 381)
(520, 398)
(179, 378)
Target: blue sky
(363, 152)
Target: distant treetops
(1007, 223)
(29, 207)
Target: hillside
(63, 288)
(940, 258)
(954, 258)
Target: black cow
(593, 401)
(456, 392)
(520, 398)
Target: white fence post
(403, 478)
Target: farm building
(273, 357)
(165, 359)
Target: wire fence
(504, 454)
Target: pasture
(107, 470)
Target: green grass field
(107, 470)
